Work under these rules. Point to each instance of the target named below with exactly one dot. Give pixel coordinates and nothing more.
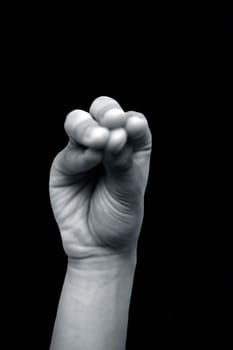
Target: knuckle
(150, 139)
(101, 104)
(149, 134)
(70, 119)
(87, 125)
(136, 114)
(103, 100)
(76, 118)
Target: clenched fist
(97, 183)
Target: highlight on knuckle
(70, 120)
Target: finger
(74, 160)
(108, 112)
(139, 134)
(117, 140)
(84, 130)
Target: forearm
(94, 304)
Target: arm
(93, 308)
(97, 187)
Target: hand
(97, 183)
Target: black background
(175, 68)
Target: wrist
(105, 274)
(104, 263)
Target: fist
(97, 183)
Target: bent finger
(117, 140)
(84, 130)
(139, 134)
(108, 112)
(74, 160)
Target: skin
(98, 181)
(97, 187)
